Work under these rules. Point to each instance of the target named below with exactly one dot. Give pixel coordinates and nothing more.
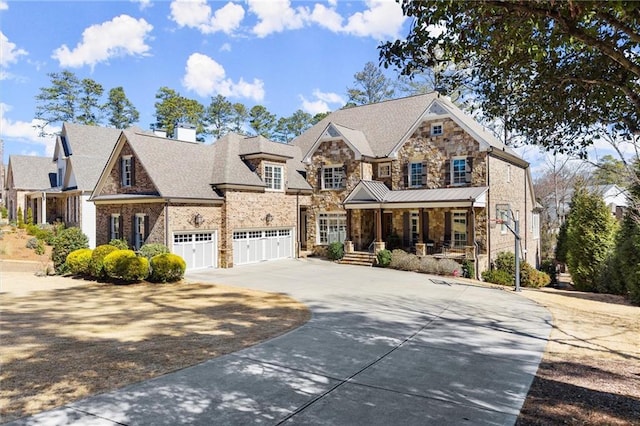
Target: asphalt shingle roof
(32, 173)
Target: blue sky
(285, 55)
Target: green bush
(468, 269)
(548, 266)
(29, 216)
(497, 276)
(68, 240)
(78, 261)
(384, 258)
(20, 218)
(39, 247)
(119, 244)
(96, 265)
(335, 251)
(167, 267)
(4, 212)
(153, 249)
(124, 265)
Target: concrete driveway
(383, 347)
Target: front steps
(358, 258)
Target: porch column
(43, 209)
(378, 225)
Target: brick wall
(142, 183)
(155, 212)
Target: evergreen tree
(121, 113)
(262, 121)
(590, 238)
(89, 108)
(219, 116)
(370, 86)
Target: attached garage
(198, 249)
(261, 245)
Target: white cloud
(4, 5)
(276, 16)
(226, 47)
(121, 36)
(322, 102)
(327, 17)
(197, 14)
(206, 77)
(25, 131)
(9, 53)
(383, 19)
(143, 3)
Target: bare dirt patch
(590, 372)
(13, 246)
(61, 345)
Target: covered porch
(444, 222)
(47, 206)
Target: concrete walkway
(383, 347)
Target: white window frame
(457, 242)
(414, 227)
(115, 233)
(127, 178)
(437, 129)
(459, 177)
(384, 170)
(535, 225)
(333, 182)
(410, 171)
(271, 178)
(139, 231)
(332, 227)
(504, 215)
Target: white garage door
(198, 249)
(260, 245)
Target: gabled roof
(383, 127)
(191, 170)
(88, 149)
(177, 169)
(31, 173)
(368, 192)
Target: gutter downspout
(298, 240)
(166, 223)
(488, 209)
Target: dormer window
(437, 129)
(273, 177)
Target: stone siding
(142, 183)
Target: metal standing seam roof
(381, 194)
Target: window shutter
(447, 228)
(320, 178)
(110, 228)
(146, 228)
(133, 231)
(447, 173)
(424, 174)
(120, 226)
(468, 169)
(122, 171)
(133, 171)
(406, 174)
(343, 183)
(406, 229)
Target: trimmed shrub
(335, 251)
(468, 269)
(119, 244)
(20, 218)
(153, 249)
(404, 261)
(78, 261)
(449, 267)
(4, 212)
(497, 276)
(384, 258)
(167, 267)
(549, 267)
(96, 265)
(39, 247)
(429, 265)
(68, 240)
(124, 265)
(29, 216)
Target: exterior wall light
(268, 218)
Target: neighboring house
(236, 201)
(79, 156)
(26, 174)
(615, 197)
(419, 174)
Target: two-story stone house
(415, 173)
(233, 202)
